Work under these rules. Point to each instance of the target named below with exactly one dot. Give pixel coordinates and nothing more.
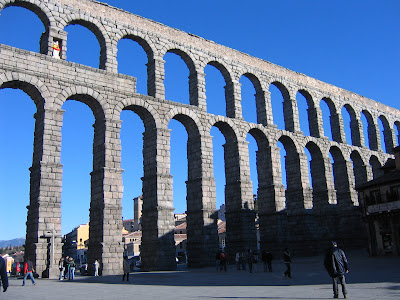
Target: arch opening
(14, 30)
(132, 59)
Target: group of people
(67, 268)
(251, 259)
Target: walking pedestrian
(287, 260)
(3, 274)
(28, 271)
(61, 268)
(336, 264)
(126, 268)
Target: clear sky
(354, 45)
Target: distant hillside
(12, 243)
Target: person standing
(61, 268)
(126, 267)
(268, 260)
(250, 259)
(96, 265)
(237, 260)
(66, 267)
(336, 264)
(3, 274)
(218, 260)
(223, 259)
(287, 260)
(71, 268)
(28, 271)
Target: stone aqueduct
(301, 215)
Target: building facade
(380, 203)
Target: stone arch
(97, 29)
(360, 173)
(376, 166)
(387, 134)
(340, 176)
(99, 106)
(32, 86)
(37, 7)
(265, 195)
(229, 88)
(147, 113)
(286, 106)
(311, 113)
(354, 125)
(148, 47)
(334, 120)
(293, 174)
(201, 205)
(371, 127)
(259, 98)
(318, 175)
(193, 80)
(239, 200)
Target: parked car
(139, 263)
(132, 262)
(17, 269)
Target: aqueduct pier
(299, 213)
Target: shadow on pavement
(306, 271)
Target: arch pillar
(197, 90)
(262, 108)
(202, 235)
(373, 136)
(158, 224)
(44, 224)
(271, 194)
(357, 135)
(155, 78)
(233, 100)
(239, 202)
(291, 115)
(269, 119)
(330, 184)
(105, 225)
(110, 58)
(337, 128)
(316, 122)
(388, 136)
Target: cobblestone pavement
(369, 278)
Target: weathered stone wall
(302, 216)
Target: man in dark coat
(336, 264)
(3, 274)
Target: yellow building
(75, 243)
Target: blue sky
(354, 45)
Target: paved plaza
(369, 278)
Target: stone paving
(369, 278)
